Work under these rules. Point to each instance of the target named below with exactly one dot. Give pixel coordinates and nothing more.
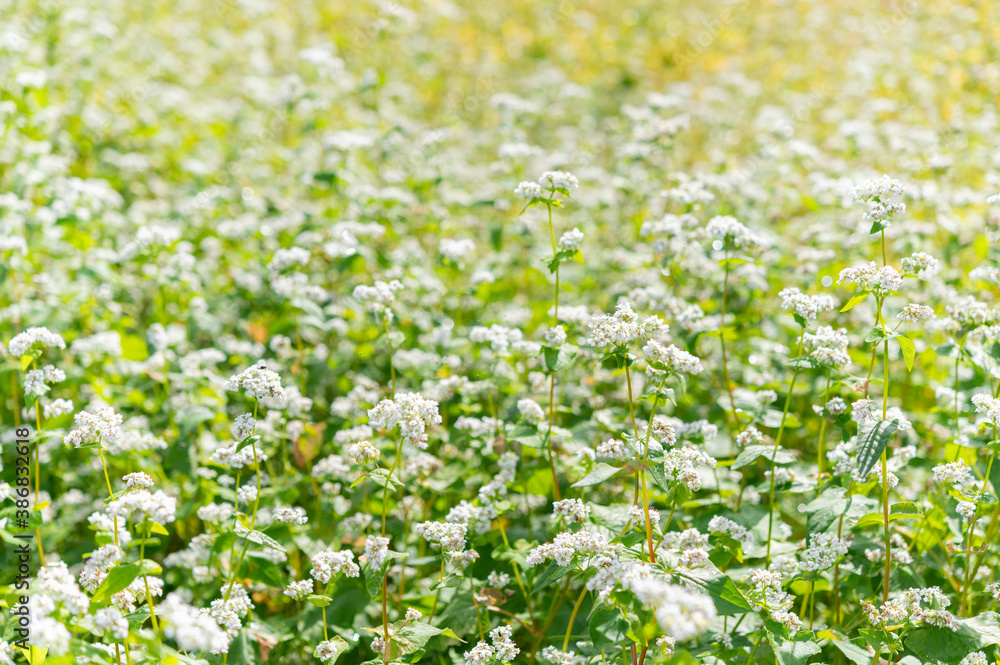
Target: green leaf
(873, 443)
(794, 652)
(933, 644)
(526, 435)
(121, 576)
(909, 351)
(373, 577)
(607, 626)
(412, 637)
(559, 358)
(599, 474)
(246, 442)
(728, 599)
(904, 510)
(854, 301)
(319, 601)
(550, 574)
(854, 652)
(258, 537)
(750, 455)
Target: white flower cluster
(289, 515)
(921, 264)
(191, 629)
(328, 563)
(160, 507)
(805, 306)
(559, 180)
(827, 346)
(682, 464)
(956, 473)
(989, 405)
(379, 296)
(258, 382)
(570, 240)
(869, 277)
(503, 650)
(567, 545)
(824, 550)
(723, 525)
(624, 326)
(104, 425)
(450, 536)
(614, 449)
(500, 338)
(455, 249)
(411, 412)
(882, 196)
(766, 595)
(675, 360)
(914, 312)
(909, 607)
(33, 340)
(557, 657)
(376, 551)
(573, 510)
(733, 233)
(691, 544)
(363, 451)
(36, 381)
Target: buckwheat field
(502, 332)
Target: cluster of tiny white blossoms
(328, 563)
(805, 306)
(34, 340)
(672, 358)
(411, 412)
(258, 382)
(870, 277)
(731, 232)
(572, 510)
(104, 425)
(624, 327)
(917, 607)
(883, 198)
(827, 346)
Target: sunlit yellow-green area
(473, 333)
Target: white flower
(103, 426)
(559, 180)
(258, 382)
(530, 410)
(570, 240)
(328, 563)
(734, 233)
(363, 451)
(806, 306)
(376, 551)
(574, 510)
(34, 340)
(529, 190)
(882, 196)
(915, 312)
(555, 336)
(624, 326)
(411, 412)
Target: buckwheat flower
(623, 327)
(36, 381)
(733, 233)
(504, 648)
(975, 658)
(189, 628)
(993, 589)
(413, 614)
(882, 196)
(379, 296)
(557, 657)
(674, 360)
(500, 338)
(985, 273)
(376, 551)
(228, 612)
(328, 563)
(921, 264)
(723, 525)
(570, 240)
(805, 306)
(327, 651)
(684, 614)
(967, 509)
(288, 258)
(682, 464)
(559, 180)
(664, 431)
(363, 452)
(103, 425)
(247, 494)
(289, 515)
(529, 190)
(33, 341)
(828, 346)
(159, 507)
(451, 537)
(14, 244)
(555, 336)
(463, 560)
(299, 589)
(869, 277)
(481, 654)
(914, 312)
(411, 412)
(638, 516)
(989, 405)
(955, 473)
(614, 449)
(456, 249)
(567, 545)
(257, 382)
(57, 408)
(497, 580)
(824, 550)
(110, 619)
(243, 426)
(530, 410)
(574, 510)
(137, 481)
(665, 645)
(863, 411)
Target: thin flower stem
(777, 444)
(253, 517)
(145, 581)
(572, 618)
(730, 412)
(821, 453)
(552, 377)
(642, 471)
(885, 451)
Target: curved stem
(572, 618)
(777, 443)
